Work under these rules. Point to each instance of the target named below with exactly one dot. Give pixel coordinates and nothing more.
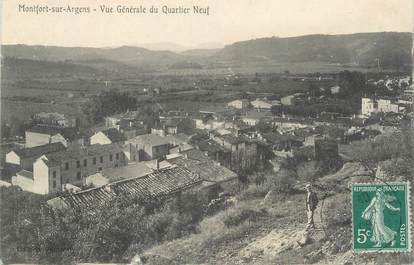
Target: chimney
(157, 164)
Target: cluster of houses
(384, 105)
(183, 151)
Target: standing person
(311, 203)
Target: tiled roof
(172, 122)
(279, 138)
(304, 132)
(203, 116)
(91, 150)
(26, 174)
(160, 183)
(210, 146)
(256, 114)
(40, 150)
(130, 171)
(235, 139)
(114, 135)
(208, 170)
(152, 139)
(306, 121)
(196, 155)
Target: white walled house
(52, 171)
(148, 147)
(387, 105)
(108, 136)
(24, 158)
(42, 135)
(239, 104)
(43, 180)
(369, 105)
(264, 104)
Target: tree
(108, 103)
(314, 90)
(350, 83)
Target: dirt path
(263, 249)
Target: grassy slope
(272, 238)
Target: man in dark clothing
(311, 203)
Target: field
(296, 68)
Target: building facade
(52, 171)
(239, 104)
(42, 135)
(369, 105)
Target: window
(77, 164)
(78, 175)
(85, 162)
(122, 156)
(101, 159)
(117, 156)
(66, 165)
(100, 169)
(94, 161)
(54, 184)
(54, 174)
(116, 165)
(110, 157)
(135, 157)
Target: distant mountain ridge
(361, 48)
(125, 54)
(391, 49)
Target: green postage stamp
(381, 217)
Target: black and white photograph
(206, 132)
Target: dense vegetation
(112, 231)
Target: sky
(228, 21)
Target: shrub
(253, 191)
(338, 212)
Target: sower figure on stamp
(311, 204)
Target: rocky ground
(276, 234)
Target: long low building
(51, 171)
(161, 183)
(24, 158)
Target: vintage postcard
(206, 132)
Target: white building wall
(25, 184)
(12, 158)
(40, 177)
(259, 104)
(367, 106)
(100, 138)
(35, 139)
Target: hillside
(393, 49)
(14, 68)
(124, 54)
